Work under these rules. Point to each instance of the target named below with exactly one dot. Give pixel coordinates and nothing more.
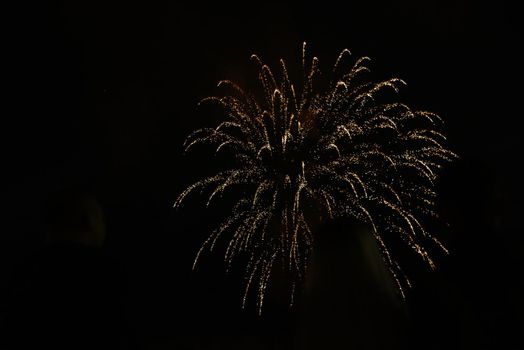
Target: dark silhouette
(350, 297)
(69, 294)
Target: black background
(104, 95)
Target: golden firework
(337, 152)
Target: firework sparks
(337, 152)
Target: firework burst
(337, 152)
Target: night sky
(103, 95)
